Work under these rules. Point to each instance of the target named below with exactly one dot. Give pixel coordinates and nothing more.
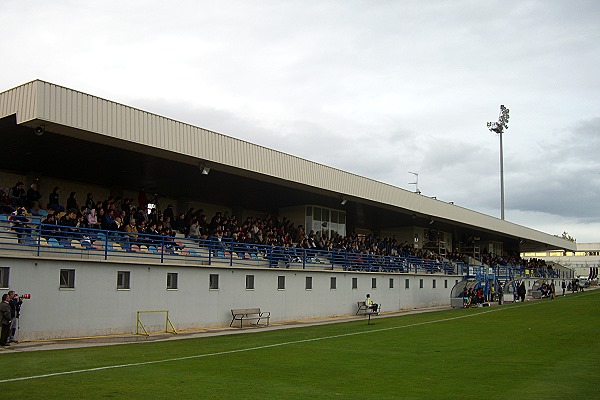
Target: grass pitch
(542, 349)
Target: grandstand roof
(90, 139)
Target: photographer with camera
(5, 320)
(15, 311)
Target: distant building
(586, 256)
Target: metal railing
(41, 240)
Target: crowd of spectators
(133, 220)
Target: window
(308, 283)
(332, 283)
(434, 284)
(213, 281)
(281, 283)
(67, 278)
(420, 283)
(249, 282)
(172, 280)
(373, 283)
(4, 273)
(354, 283)
(123, 280)
(391, 283)
(445, 283)
(407, 283)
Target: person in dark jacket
(15, 312)
(5, 320)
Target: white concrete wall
(96, 307)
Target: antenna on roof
(416, 182)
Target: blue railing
(41, 240)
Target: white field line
(166, 360)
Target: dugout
(456, 300)
(510, 290)
(536, 289)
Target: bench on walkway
(249, 314)
(364, 310)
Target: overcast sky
(376, 88)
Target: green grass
(544, 349)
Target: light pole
(499, 127)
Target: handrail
(42, 240)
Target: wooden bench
(364, 310)
(249, 314)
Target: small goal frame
(139, 324)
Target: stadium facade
(56, 136)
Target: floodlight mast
(499, 127)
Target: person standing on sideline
(374, 307)
(564, 287)
(5, 320)
(15, 312)
(500, 293)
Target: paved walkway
(59, 344)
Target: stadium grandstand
(133, 212)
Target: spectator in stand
(195, 232)
(107, 219)
(217, 243)
(152, 229)
(20, 225)
(166, 222)
(215, 223)
(33, 195)
(50, 227)
(101, 218)
(153, 216)
(89, 202)
(35, 209)
(5, 203)
(168, 213)
(124, 217)
(17, 195)
(92, 219)
(141, 226)
(131, 231)
(69, 223)
(82, 221)
(106, 203)
(180, 224)
(54, 200)
(116, 225)
(142, 199)
(189, 216)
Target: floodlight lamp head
(502, 124)
(204, 170)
